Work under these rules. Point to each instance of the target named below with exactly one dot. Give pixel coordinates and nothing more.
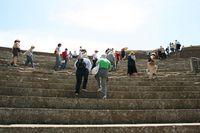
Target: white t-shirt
(94, 56)
(57, 50)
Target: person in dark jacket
(132, 70)
(123, 54)
(83, 67)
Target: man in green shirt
(102, 75)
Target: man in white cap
(29, 56)
(102, 75)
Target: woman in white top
(94, 58)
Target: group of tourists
(173, 48)
(100, 67)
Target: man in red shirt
(64, 58)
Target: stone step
(111, 81)
(96, 104)
(117, 128)
(120, 66)
(26, 71)
(141, 64)
(119, 70)
(92, 79)
(73, 116)
(92, 85)
(64, 74)
(143, 69)
(49, 64)
(118, 88)
(94, 94)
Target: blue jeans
(29, 59)
(58, 62)
(64, 65)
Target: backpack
(80, 65)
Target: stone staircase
(42, 100)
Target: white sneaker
(100, 89)
(85, 90)
(104, 97)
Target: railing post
(195, 65)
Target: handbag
(95, 70)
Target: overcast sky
(99, 24)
